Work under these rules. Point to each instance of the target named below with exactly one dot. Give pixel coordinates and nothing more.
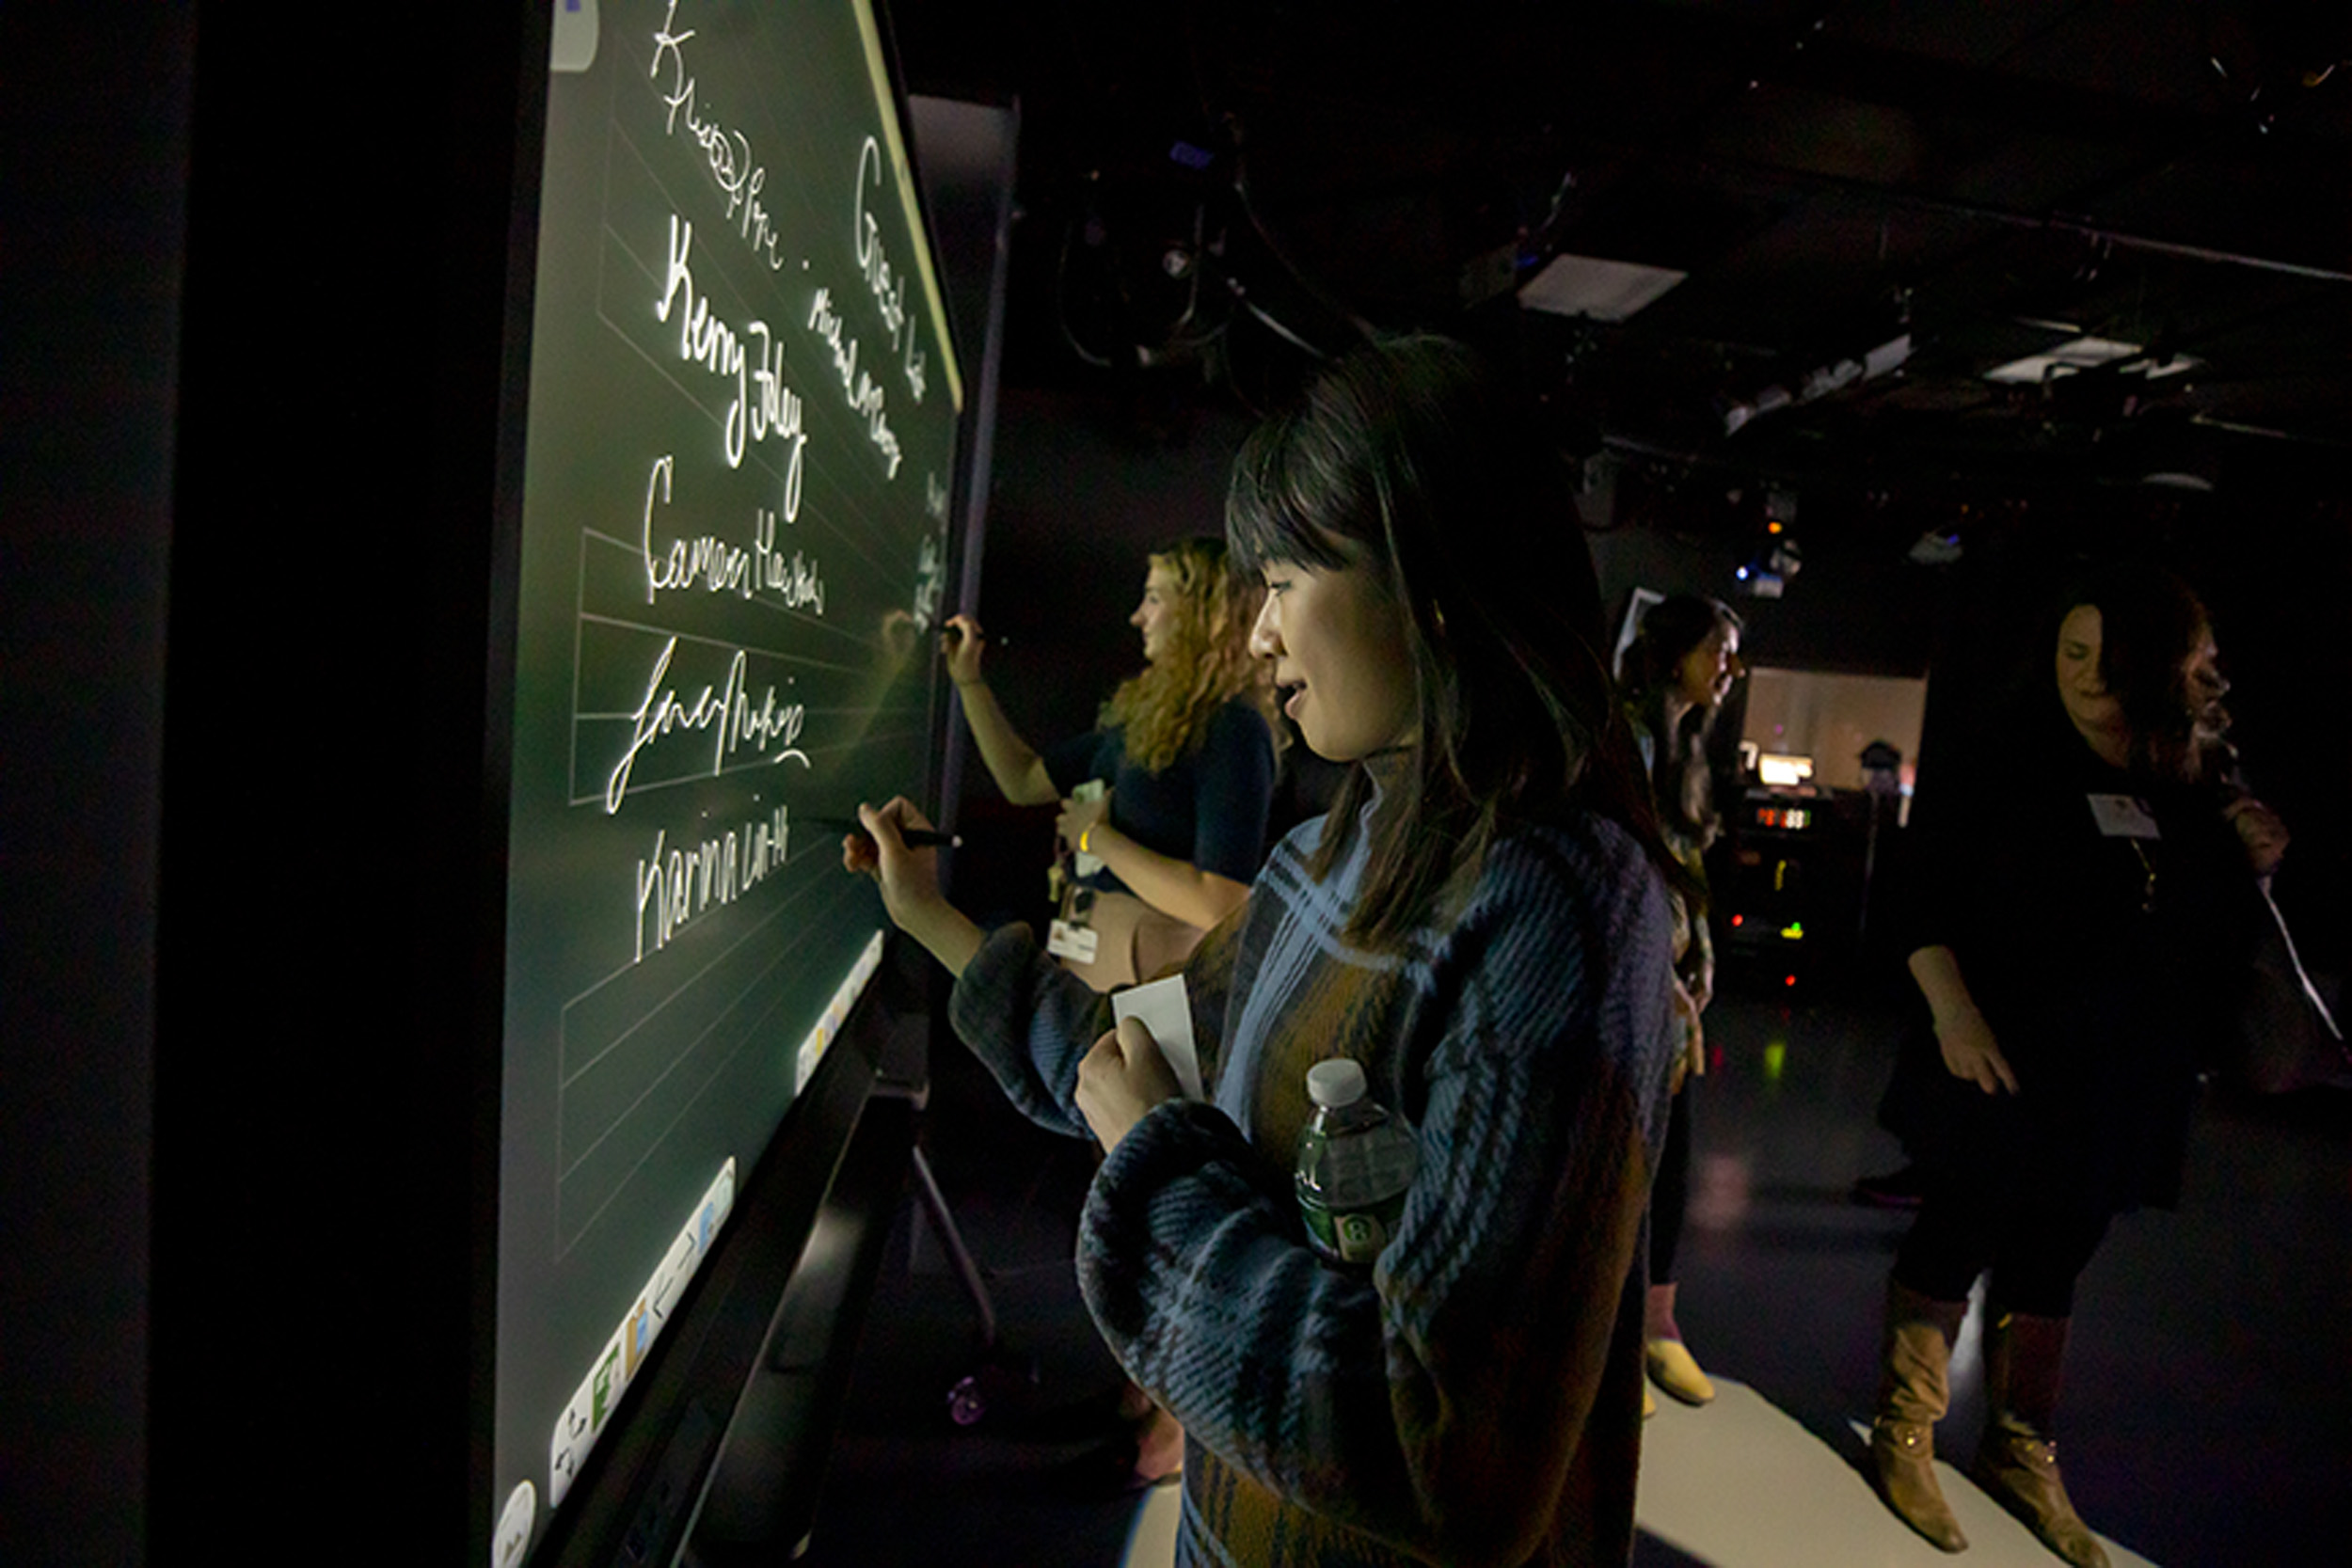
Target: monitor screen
(740, 444)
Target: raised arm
(1233, 793)
(909, 880)
(1171, 886)
(1015, 765)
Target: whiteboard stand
(971, 1396)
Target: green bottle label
(1357, 1236)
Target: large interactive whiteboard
(740, 449)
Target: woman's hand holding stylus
(909, 880)
(959, 643)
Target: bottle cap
(1336, 1083)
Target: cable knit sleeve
(1032, 1021)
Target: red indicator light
(1738, 918)
(1790, 981)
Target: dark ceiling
(1874, 203)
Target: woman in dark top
(1185, 751)
(2076, 942)
(1678, 670)
(1185, 755)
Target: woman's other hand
(2261, 830)
(959, 643)
(1971, 1053)
(1078, 815)
(1120, 1080)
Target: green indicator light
(1775, 1059)
(1794, 930)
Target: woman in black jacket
(2080, 920)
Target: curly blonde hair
(1166, 708)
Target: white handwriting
(764, 408)
(727, 712)
(675, 885)
(886, 283)
(930, 584)
(727, 153)
(718, 566)
(864, 395)
(702, 339)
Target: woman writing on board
(1184, 754)
(1482, 923)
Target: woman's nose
(1265, 639)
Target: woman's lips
(1290, 704)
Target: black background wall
(91, 204)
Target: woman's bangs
(1271, 509)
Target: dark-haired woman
(1481, 922)
(2074, 944)
(1681, 666)
(1184, 754)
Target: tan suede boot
(1913, 1393)
(2017, 1462)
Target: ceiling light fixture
(2085, 354)
(1594, 289)
(1821, 382)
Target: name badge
(2121, 816)
(1075, 942)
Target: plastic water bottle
(1356, 1159)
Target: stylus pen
(914, 838)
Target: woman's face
(1705, 677)
(2081, 688)
(2095, 709)
(1155, 616)
(1340, 653)
(2202, 678)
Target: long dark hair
(2150, 622)
(1412, 458)
(1679, 779)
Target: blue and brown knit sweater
(1475, 1398)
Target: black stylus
(914, 838)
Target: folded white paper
(1161, 1006)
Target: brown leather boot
(2017, 1462)
(1913, 1393)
